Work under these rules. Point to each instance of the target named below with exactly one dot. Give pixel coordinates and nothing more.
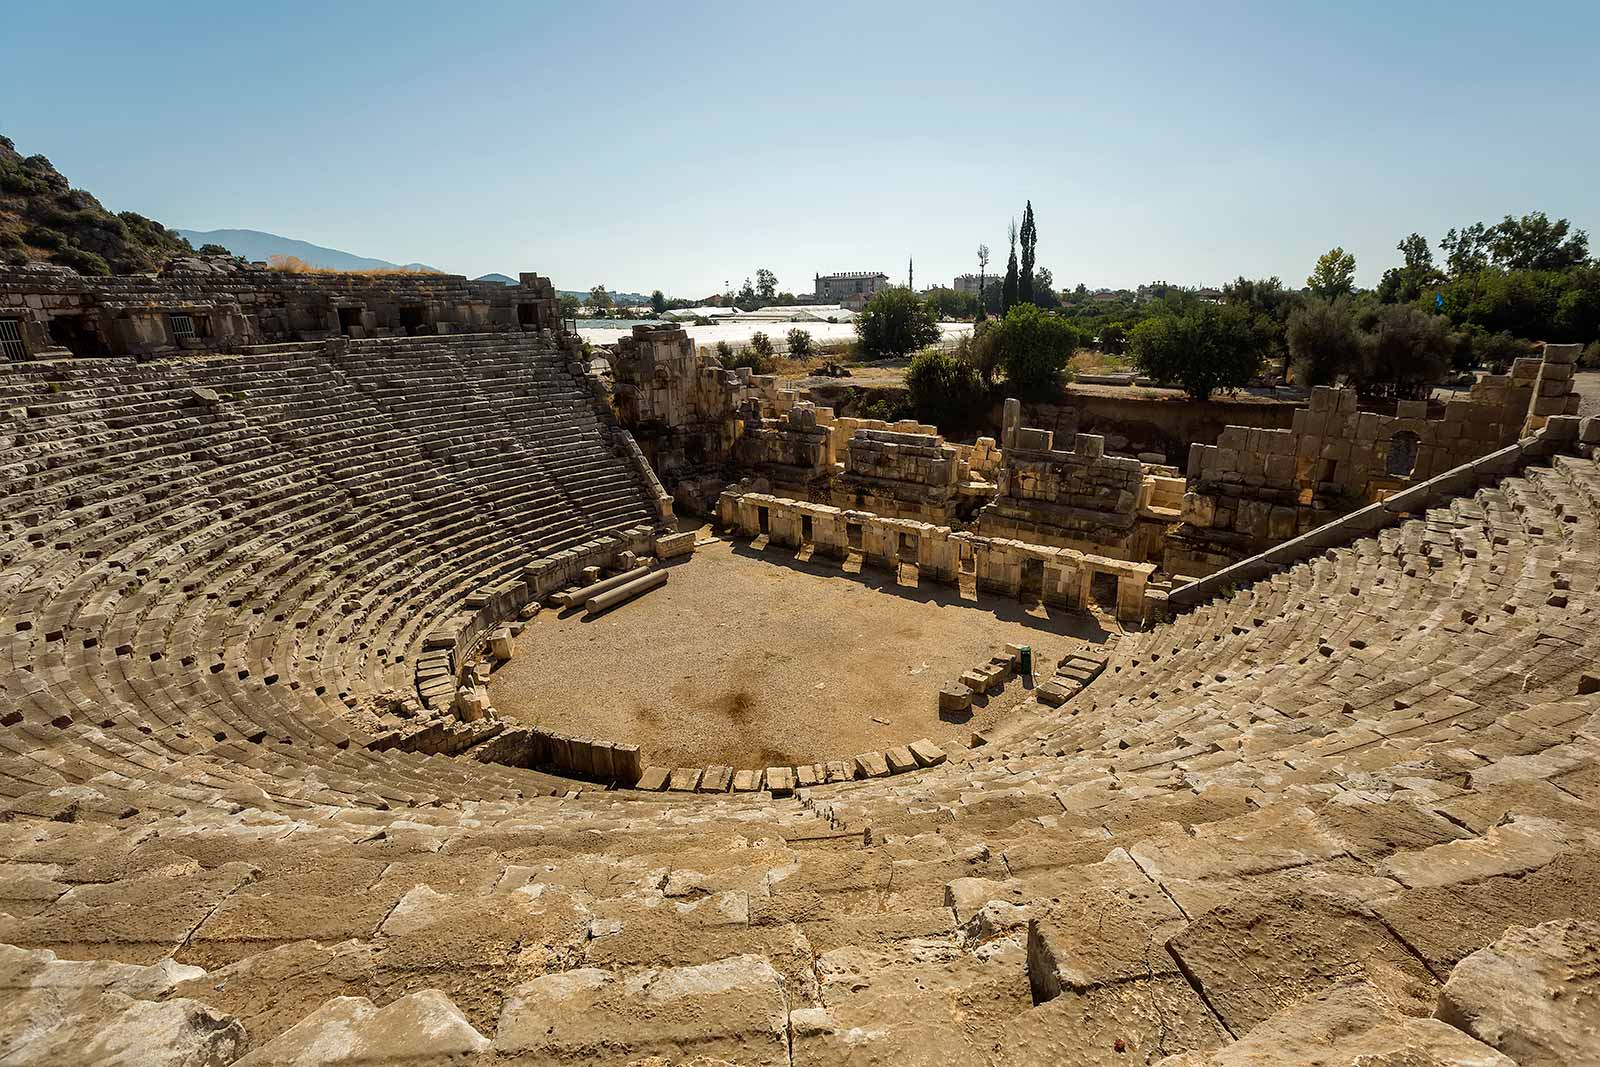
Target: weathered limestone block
(501, 646)
(780, 781)
(422, 1026)
(871, 765)
(900, 760)
(1534, 994)
(731, 1009)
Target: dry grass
(296, 265)
(1089, 361)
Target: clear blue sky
(680, 145)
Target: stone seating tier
(1349, 812)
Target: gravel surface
(752, 659)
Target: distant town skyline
(685, 150)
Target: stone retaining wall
(1061, 576)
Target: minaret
(911, 274)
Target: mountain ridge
(259, 245)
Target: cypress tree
(1030, 238)
(1008, 291)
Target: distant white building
(968, 283)
(851, 288)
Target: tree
(983, 268)
(952, 304)
(1034, 349)
(568, 306)
(747, 292)
(1030, 238)
(1406, 283)
(1466, 251)
(1404, 345)
(799, 342)
(1334, 274)
(895, 323)
(1008, 293)
(762, 346)
(658, 301)
(1205, 348)
(599, 298)
(1044, 293)
(943, 388)
(1533, 242)
(1113, 338)
(1323, 342)
(766, 283)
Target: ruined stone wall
(1007, 567)
(218, 304)
(1258, 486)
(684, 407)
(1078, 497)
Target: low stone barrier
(1062, 576)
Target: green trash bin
(1026, 665)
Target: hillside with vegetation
(44, 219)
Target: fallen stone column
(624, 593)
(616, 581)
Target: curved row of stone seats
(1277, 840)
(246, 548)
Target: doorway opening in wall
(414, 320)
(806, 534)
(907, 572)
(763, 520)
(74, 333)
(350, 321)
(853, 536)
(1031, 589)
(1103, 591)
(1402, 457)
(528, 316)
(1330, 470)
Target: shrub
(45, 237)
(800, 346)
(83, 262)
(943, 388)
(762, 345)
(1205, 348)
(895, 323)
(1034, 349)
(724, 353)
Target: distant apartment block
(852, 289)
(968, 283)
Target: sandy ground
(751, 658)
(1587, 383)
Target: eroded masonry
(1286, 754)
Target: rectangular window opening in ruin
(414, 319)
(12, 346)
(528, 315)
(908, 547)
(1103, 590)
(1330, 470)
(854, 536)
(182, 326)
(968, 559)
(806, 534)
(349, 321)
(74, 333)
(763, 520)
